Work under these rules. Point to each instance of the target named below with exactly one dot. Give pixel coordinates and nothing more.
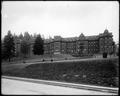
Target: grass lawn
(96, 72)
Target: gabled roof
(106, 31)
(82, 37)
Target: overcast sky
(65, 18)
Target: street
(16, 87)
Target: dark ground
(95, 72)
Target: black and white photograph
(60, 47)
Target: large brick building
(81, 45)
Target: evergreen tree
(38, 47)
(25, 41)
(8, 46)
(2, 51)
(27, 36)
(24, 48)
(20, 36)
(35, 35)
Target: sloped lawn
(95, 72)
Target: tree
(8, 46)
(24, 48)
(34, 35)
(16, 41)
(2, 51)
(38, 47)
(20, 36)
(27, 36)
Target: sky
(64, 18)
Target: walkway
(20, 87)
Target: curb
(64, 84)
